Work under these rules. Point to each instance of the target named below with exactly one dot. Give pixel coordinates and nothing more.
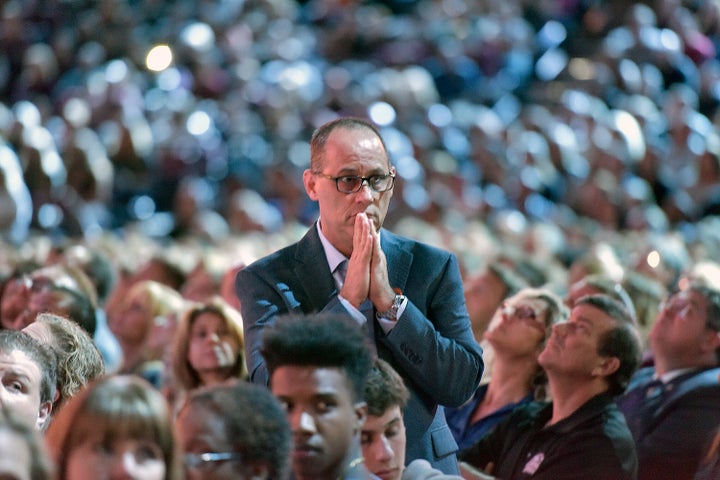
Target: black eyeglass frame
(371, 181)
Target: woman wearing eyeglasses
(517, 335)
(234, 432)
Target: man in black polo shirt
(581, 434)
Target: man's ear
(711, 341)
(606, 367)
(43, 419)
(360, 415)
(309, 180)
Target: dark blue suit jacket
(672, 424)
(431, 346)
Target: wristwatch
(392, 314)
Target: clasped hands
(367, 274)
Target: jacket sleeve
(432, 342)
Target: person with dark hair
(580, 433)
(383, 436)
(318, 365)
(27, 295)
(27, 370)
(407, 295)
(672, 407)
(232, 432)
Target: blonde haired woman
(144, 325)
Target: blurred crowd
(542, 127)
(560, 112)
(150, 149)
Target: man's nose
(303, 422)
(366, 192)
(382, 450)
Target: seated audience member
(647, 295)
(383, 437)
(119, 426)
(581, 433)
(28, 370)
(208, 347)
(96, 264)
(22, 450)
(601, 258)
(517, 335)
(317, 366)
(602, 284)
(156, 269)
(485, 292)
(230, 432)
(672, 408)
(78, 359)
(144, 325)
(25, 296)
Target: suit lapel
(312, 272)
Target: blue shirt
(458, 418)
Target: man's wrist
(392, 313)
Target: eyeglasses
(353, 183)
(199, 460)
(525, 314)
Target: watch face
(392, 313)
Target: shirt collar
(673, 374)
(333, 255)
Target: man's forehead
(324, 380)
(592, 316)
(391, 417)
(17, 360)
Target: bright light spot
(49, 215)
(582, 69)
(27, 114)
(653, 259)
(159, 58)
(198, 123)
(382, 113)
(77, 112)
(439, 115)
(142, 207)
(198, 36)
(116, 71)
